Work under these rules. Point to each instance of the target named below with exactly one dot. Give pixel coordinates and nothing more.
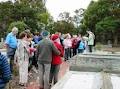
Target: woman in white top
(22, 55)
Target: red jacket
(56, 59)
(74, 43)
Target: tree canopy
(103, 16)
(31, 12)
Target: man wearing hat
(44, 53)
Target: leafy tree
(103, 16)
(31, 12)
(20, 25)
(64, 27)
(43, 18)
(109, 25)
(5, 16)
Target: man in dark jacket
(45, 50)
(5, 73)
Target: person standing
(5, 73)
(91, 38)
(81, 46)
(44, 53)
(36, 38)
(11, 45)
(74, 44)
(22, 55)
(67, 46)
(32, 59)
(56, 60)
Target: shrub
(19, 24)
(98, 46)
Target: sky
(55, 7)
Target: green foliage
(64, 27)
(102, 17)
(108, 24)
(98, 46)
(5, 15)
(43, 18)
(20, 25)
(95, 13)
(30, 12)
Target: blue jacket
(5, 73)
(81, 45)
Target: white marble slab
(80, 80)
(115, 79)
(83, 80)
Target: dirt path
(33, 79)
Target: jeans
(54, 73)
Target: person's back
(44, 54)
(45, 49)
(74, 43)
(5, 73)
(36, 39)
(57, 58)
(81, 47)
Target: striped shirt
(5, 73)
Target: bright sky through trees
(55, 7)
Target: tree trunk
(115, 39)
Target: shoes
(21, 84)
(30, 74)
(50, 84)
(35, 70)
(65, 59)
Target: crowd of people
(43, 51)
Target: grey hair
(14, 29)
